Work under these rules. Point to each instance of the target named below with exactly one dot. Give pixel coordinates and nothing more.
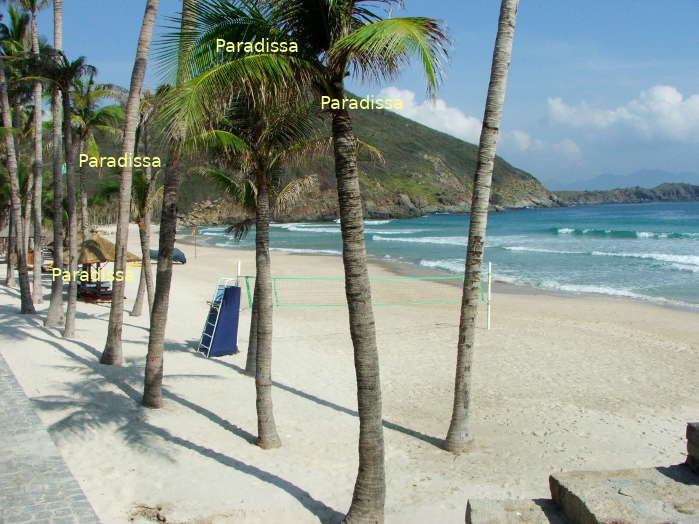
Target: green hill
(661, 193)
(425, 171)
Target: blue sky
(595, 87)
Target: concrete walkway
(35, 483)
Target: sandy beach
(561, 383)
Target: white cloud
(659, 112)
(525, 143)
(437, 115)
(452, 120)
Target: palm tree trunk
(84, 221)
(458, 437)
(38, 292)
(27, 307)
(370, 487)
(145, 284)
(29, 183)
(137, 308)
(69, 331)
(54, 317)
(152, 387)
(11, 239)
(152, 391)
(112, 350)
(251, 358)
(267, 436)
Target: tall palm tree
(54, 317)
(335, 39)
(27, 306)
(259, 141)
(144, 199)
(145, 194)
(65, 74)
(33, 6)
(89, 120)
(166, 236)
(458, 436)
(112, 353)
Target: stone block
(653, 495)
(538, 511)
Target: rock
(513, 512)
(633, 496)
(693, 446)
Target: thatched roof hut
(98, 250)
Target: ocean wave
(306, 251)
(306, 228)
(690, 260)
(685, 267)
(454, 241)
(620, 233)
(393, 231)
(454, 265)
(370, 222)
(541, 250)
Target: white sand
(560, 383)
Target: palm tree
(65, 75)
(335, 38)
(144, 198)
(145, 194)
(88, 120)
(459, 437)
(260, 141)
(27, 306)
(54, 317)
(112, 353)
(33, 6)
(166, 237)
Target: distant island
(632, 195)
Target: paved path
(35, 483)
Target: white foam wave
(566, 230)
(685, 267)
(306, 251)
(691, 260)
(377, 222)
(454, 241)
(542, 250)
(306, 228)
(453, 265)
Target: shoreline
(409, 269)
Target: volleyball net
(385, 291)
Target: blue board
(225, 336)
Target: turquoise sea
(643, 251)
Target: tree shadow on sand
(189, 346)
(95, 407)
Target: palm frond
(293, 192)
(241, 229)
(380, 49)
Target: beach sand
(560, 383)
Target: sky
(595, 87)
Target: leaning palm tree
(146, 193)
(27, 306)
(54, 317)
(65, 74)
(32, 7)
(459, 437)
(144, 200)
(335, 39)
(112, 353)
(259, 141)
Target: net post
(490, 291)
